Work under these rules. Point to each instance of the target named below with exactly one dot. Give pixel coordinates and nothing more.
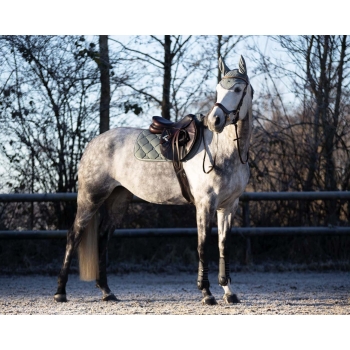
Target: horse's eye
(237, 89)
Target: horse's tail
(88, 252)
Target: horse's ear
(222, 66)
(242, 67)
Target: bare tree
(162, 68)
(300, 143)
(105, 98)
(46, 115)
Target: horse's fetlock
(223, 281)
(203, 284)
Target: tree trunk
(167, 77)
(218, 51)
(105, 83)
(312, 168)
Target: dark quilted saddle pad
(147, 147)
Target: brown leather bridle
(227, 114)
(235, 112)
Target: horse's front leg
(204, 219)
(225, 217)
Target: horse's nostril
(217, 121)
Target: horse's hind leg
(112, 212)
(225, 217)
(87, 207)
(73, 239)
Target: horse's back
(109, 161)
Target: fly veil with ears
(229, 79)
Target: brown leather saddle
(179, 142)
(177, 138)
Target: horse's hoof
(231, 299)
(110, 297)
(60, 298)
(209, 300)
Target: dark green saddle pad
(147, 147)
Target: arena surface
(261, 293)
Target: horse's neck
(244, 132)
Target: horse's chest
(231, 182)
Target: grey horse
(109, 175)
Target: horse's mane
(245, 128)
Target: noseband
(235, 112)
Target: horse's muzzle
(219, 123)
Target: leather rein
(227, 114)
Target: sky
(267, 47)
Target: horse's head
(234, 97)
